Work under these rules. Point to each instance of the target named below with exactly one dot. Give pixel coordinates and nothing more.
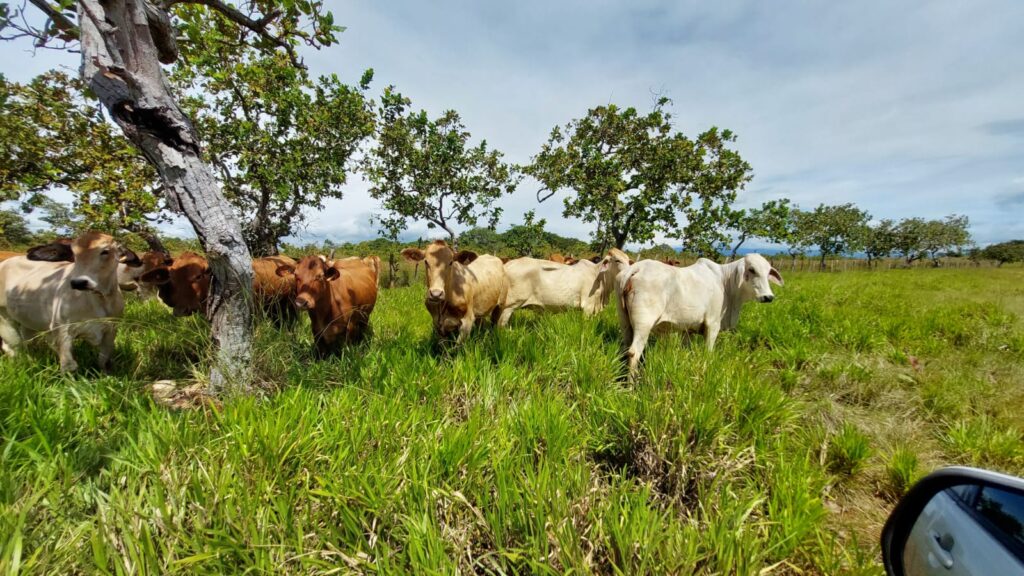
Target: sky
(912, 108)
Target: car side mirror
(957, 521)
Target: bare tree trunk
(123, 44)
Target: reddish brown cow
(339, 298)
(558, 258)
(184, 285)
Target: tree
(917, 238)
(425, 169)
(123, 44)
(835, 229)
(13, 229)
(770, 222)
(281, 143)
(483, 240)
(527, 239)
(52, 138)
(1004, 252)
(879, 240)
(633, 176)
(909, 236)
(945, 236)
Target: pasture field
(524, 451)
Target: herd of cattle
(71, 289)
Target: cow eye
(105, 253)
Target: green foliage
(771, 222)
(425, 169)
(527, 239)
(13, 229)
(880, 239)
(634, 177)
(281, 142)
(834, 230)
(520, 452)
(1004, 252)
(51, 137)
(917, 238)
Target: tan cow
(547, 285)
(339, 298)
(462, 287)
(65, 291)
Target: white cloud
(907, 108)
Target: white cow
(705, 297)
(548, 285)
(64, 291)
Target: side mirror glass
(957, 522)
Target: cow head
(441, 262)
(94, 257)
(312, 275)
(130, 271)
(184, 282)
(758, 274)
(610, 266)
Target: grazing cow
(461, 287)
(534, 283)
(671, 261)
(557, 258)
(339, 297)
(184, 285)
(705, 297)
(67, 291)
(5, 254)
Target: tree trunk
(737, 247)
(392, 269)
(149, 236)
(123, 44)
(822, 267)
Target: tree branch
(257, 26)
(59, 20)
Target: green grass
(525, 450)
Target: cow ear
(285, 270)
(160, 275)
(332, 273)
(413, 254)
(129, 258)
(465, 256)
(54, 252)
(774, 277)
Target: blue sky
(906, 109)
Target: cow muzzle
(303, 303)
(766, 299)
(436, 295)
(83, 284)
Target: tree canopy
(280, 142)
(426, 169)
(633, 176)
(771, 221)
(835, 229)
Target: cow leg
(504, 316)
(711, 329)
(10, 335)
(63, 341)
(106, 346)
(466, 326)
(626, 325)
(641, 332)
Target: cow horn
(331, 256)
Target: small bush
(900, 472)
(848, 451)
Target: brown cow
(184, 285)
(461, 287)
(339, 297)
(558, 258)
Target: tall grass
(523, 451)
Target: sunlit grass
(525, 450)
